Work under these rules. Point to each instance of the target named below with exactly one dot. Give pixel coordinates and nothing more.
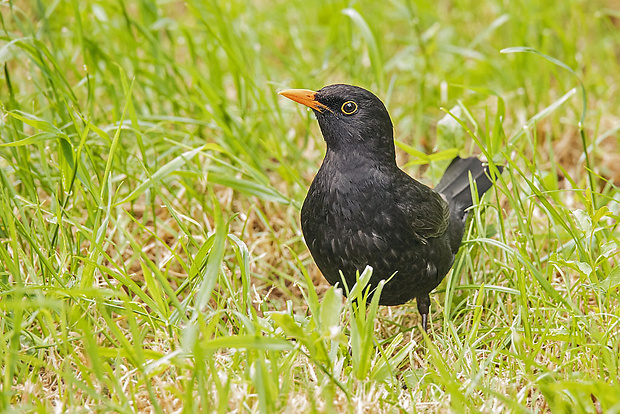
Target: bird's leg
(424, 303)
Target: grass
(151, 254)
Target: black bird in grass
(361, 209)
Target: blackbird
(362, 209)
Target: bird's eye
(349, 108)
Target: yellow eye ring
(349, 108)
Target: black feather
(454, 184)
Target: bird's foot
(424, 304)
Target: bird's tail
(454, 184)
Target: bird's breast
(352, 220)
(338, 196)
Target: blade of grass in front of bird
(387, 364)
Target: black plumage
(362, 209)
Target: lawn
(151, 256)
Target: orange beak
(305, 97)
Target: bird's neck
(374, 143)
(359, 159)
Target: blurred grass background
(151, 178)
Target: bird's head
(351, 118)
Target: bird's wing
(427, 212)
